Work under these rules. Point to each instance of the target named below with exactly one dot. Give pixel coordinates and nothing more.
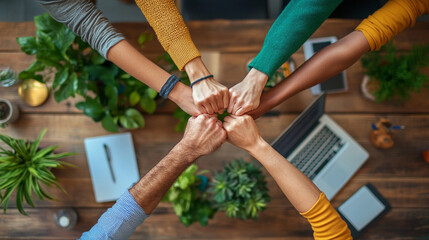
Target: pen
(109, 161)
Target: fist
(203, 135)
(242, 131)
(210, 96)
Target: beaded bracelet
(168, 86)
(200, 79)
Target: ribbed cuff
(267, 63)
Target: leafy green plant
(189, 199)
(396, 74)
(240, 190)
(111, 96)
(25, 168)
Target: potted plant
(9, 112)
(25, 168)
(110, 95)
(392, 76)
(240, 190)
(189, 198)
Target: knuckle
(246, 117)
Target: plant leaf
(148, 104)
(134, 98)
(109, 124)
(60, 77)
(28, 44)
(132, 119)
(36, 143)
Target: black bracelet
(200, 79)
(168, 86)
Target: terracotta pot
(12, 111)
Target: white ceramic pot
(364, 88)
(13, 114)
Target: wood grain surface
(400, 173)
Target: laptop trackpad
(335, 177)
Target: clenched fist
(242, 131)
(203, 135)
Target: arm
(324, 64)
(371, 34)
(174, 36)
(291, 29)
(203, 135)
(298, 188)
(87, 21)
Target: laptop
(321, 149)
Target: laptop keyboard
(317, 152)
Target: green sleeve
(298, 21)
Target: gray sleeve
(86, 21)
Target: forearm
(149, 191)
(297, 187)
(133, 62)
(325, 64)
(83, 18)
(298, 21)
(196, 69)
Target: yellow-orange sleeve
(391, 19)
(326, 222)
(170, 29)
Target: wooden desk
(400, 173)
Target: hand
(184, 99)
(242, 131)
(245, 96)
(268, 101)
(203, 135)
(210, 95)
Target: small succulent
(240, 190)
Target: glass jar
(8, 77)
(66, 218)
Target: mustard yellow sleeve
(391, 19)
(170, 29)
(326, 222)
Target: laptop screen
(300, 128)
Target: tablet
(363, 208)
(337, 83)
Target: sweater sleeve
(170, 29)
(118, 222)
(326, 222)
(83, 18)
(298, 21)
(391, 19)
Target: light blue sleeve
(118, 222)
(83, 18)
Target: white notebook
(112, 164)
